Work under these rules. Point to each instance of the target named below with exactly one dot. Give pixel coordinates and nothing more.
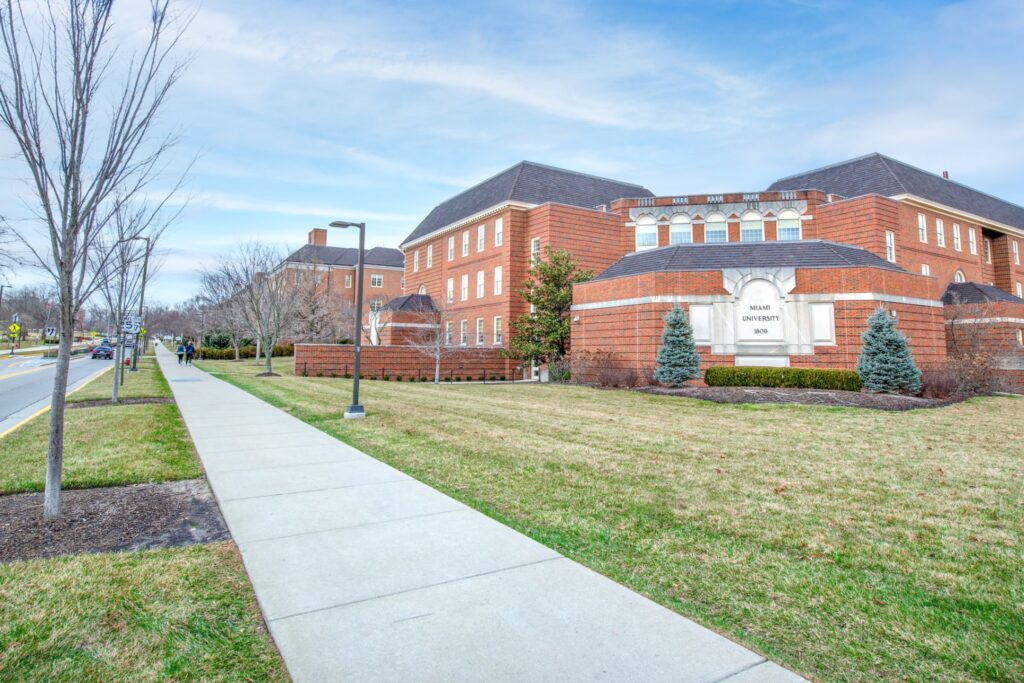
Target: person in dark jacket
(189, 352)
(181, 353)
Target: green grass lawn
(148, 382)
(186, 614)
(850, 545)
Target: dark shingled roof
(346, 256)
(530, 183)
(879, 174)
(716, 256)
(416, 303)
(976, 293)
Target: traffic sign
(14, 328)
(51, 332)
(15, 318)
(131, 326)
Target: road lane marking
(44, 409)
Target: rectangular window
(499, 228)
(788, 229)
(1016, 253)
(416, 261)
(646, 237)
(972, 241)
(497, 326)
(465, 287)
(940, 233)
(479, 331)
(680, 233)
(752, 231)
(925, 269)
(497, 281)
(448, 333)
(988, 250)
(922, 228)
(402, 284)
(430, 255)
(298, 278)
(481, 237)
(957, 244)
(465, 243)
(451, 248)
(451, 290)
(1020, 291)
(535, 250)
(890, 246)
(376, 280)
(479, 284)
(348, 282)
(464, 332)
(716, 231)
(317, 277)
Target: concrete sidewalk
(365, 574)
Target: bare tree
(83, 156)
(977, 351)
(432, 336)
(225, 312)
(266, 300)
(321, 315)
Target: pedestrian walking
(181, 352)
(190, 351)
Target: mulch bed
(110, 519)
(120, 402)
(812, 397)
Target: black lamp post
(356, 410)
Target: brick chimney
(318, 236)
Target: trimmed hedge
(209, 353)
(782, 378)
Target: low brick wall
(338, 360)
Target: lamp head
(347, 224)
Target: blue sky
(301, 112)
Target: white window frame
(680, 229)
(499, 231)
(926, 269)
(448, 333)
(498, 280)
(1020, 291)
(972, 241)
(959, 276)
(378, 278)
(376, 303)
(465, 242)
(922, 228)
(348, 281)
(535, 250)
(479, 284)
(464, 291)
(479, 331)
(450, 292)
(890, 246)
(646, 233)
(940, 233)
(958, 244)
(724, 223)
(987, 243)
(481, 238)
(463, 332)
(788, 220)
(746, 221)
(430, 255)
(1016, 252)
(416, 261)
(498, 339)
(451, 248)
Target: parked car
(103, 352)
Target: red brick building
(784, 276)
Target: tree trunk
(238, 351)
(117, 364)
(268, 352)
(55, 454)
(437, 369)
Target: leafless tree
(266, 300)
(225, 312)
(321, 315)
(36, 306)
(82, 118)
(976, 350)
(433, 337)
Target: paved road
(26, 383)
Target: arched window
(751, 227)
(959, 276)
(715, 228)
(789, 225)
(680, 230)
(423, 289)
(646, 233)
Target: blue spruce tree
(885, 363)
(678, 359)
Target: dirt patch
(121, 402)
(811, 397)
(110, 519)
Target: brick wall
(328, 360)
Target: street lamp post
(356, 410)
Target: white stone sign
(759, 314)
